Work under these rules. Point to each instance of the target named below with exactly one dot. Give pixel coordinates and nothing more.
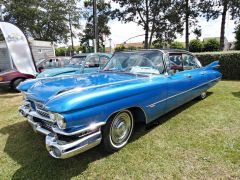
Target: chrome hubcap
(121, 129)
(203, 95)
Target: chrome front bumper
(63, 150)
(59, 148)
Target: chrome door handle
(202, 73)
(188, 75)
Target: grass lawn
(196, 141)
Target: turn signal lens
(1, 78)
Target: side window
(103, 60)
(92, 62)
(189, 62)
(175, 61)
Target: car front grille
(45, 124)
(41, 110)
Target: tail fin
(213, 65)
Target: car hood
(49, 89)
(57, 71)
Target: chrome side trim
(62, 150)
(5, 82)
(89, 128)
(154, 104)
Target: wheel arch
(138, 113)
(14, 79)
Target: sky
(120, 31)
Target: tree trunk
(187, 26)
(150, 39)
(222, 35)
(95, 23)
(146, 27)
(146, 37)
(71, 34)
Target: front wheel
(117, 131)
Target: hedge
(229, 62)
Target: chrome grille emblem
(41, 110)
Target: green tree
(196, 45)
(132, 48)
(104, 12)
(176, 45)
(211, 45)
(237, 32)
(120, 48)
(213, 9)
(41, 19)
(61, 51)
(73, 13)
(157, 18)
(189, 11)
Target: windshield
(77, 61)
(139, 62)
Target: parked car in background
(76, 113)
(52, 62)
(12, 78)
(78, 64)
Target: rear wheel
(117, 131)
(203, 95)
(15, 83)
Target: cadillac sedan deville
(79, 112)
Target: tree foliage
(196, 45)
(157, 18)
(104, 12)
(43, 19)
(237, 36)
(176, 45)
(213, 9)
(212, 45)
(189, 11)
(120, 48)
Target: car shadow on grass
(236, 94)
(8, 93)
(28, 150)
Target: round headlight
(60, 121)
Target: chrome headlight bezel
(59, 119)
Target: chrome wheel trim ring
(203, 95)
(121, 129)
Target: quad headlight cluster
(59, 119)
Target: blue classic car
(78, 64)
(79, 112)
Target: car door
(179, 82)
(192, 66)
